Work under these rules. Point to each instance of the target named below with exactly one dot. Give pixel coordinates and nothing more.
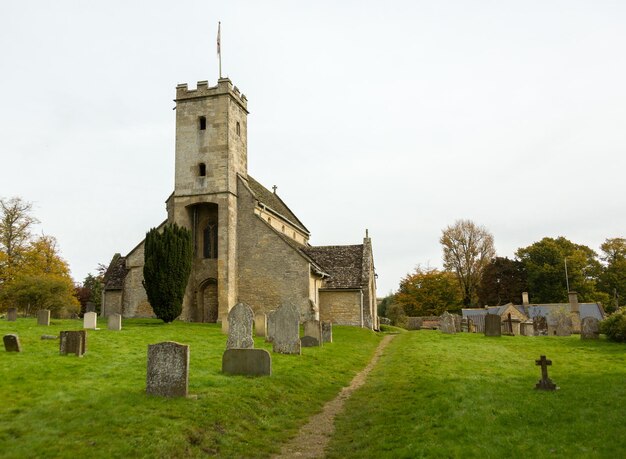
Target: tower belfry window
(202, 123)
(202, 170)
(238, 128)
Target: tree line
(474, 276)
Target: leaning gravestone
(563, 326)
(12, 343)
(43, 317)
(240, 319)
(90, 321)
(313, 328)
(286, 339)
(493, 326)
(590, 328)
(447, 323)
(540, 326)
(168, 369)
(260, 324)
(12, 314)
(247, 362)
(115, 322)
(327, 332)
(73, 342)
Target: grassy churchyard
(431, 395)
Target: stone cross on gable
(544, 383)
(274, 188)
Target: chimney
(573, 302)
(525, 299)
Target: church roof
(116, 272)
(274, 203)
(344, 264)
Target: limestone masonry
(249, 247)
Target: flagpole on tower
(219, 48)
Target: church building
(248, 245)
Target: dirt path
(315, 435)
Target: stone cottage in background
(248, 245)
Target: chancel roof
(344, 264)
(273, 202)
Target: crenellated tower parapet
(224, 86)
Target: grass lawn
(465, 395)
(95, 406)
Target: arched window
(238, 128)
(210, 241)
(202, 170)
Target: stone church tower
(248, 244)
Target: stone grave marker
(309, 341)
(286, 337)
(43, 317)
(90, 321)
(73, 342)
(247, 362)
(90, 307)
(12, 314)
(271, 327)
(493, 326)
(457, 322)
(590, 328)
(49, 337)
(12, 343)
(313, 329)
(447, 324)
(563, 326)
(260, 324)
(168, 369)
(508, 325)
(115, 322)
(464, 325)
(540, 326)
(327, 332)
(544, 383)
(240, 319)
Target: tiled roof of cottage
(272, 201)
(344, 263)
(116, 272)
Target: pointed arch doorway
(208, 300)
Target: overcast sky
(396, 116)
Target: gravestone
(49, 337)
(590, 328)
(309, 341)
(90, 321)
(12, 343)
(447, 324)
(73, 342)
(563, 325)
(540, 326)
(464, 325)
(115, 322)
(313, 329)
(12, 314)
(457, 322)
(43, 317)
(327, 332)
(493, 326)
(544, 383)
(286, 339)
(508, 325)
(240, 319)
(247, 362)
(271, 326)
(90, 307)
(168, 369)
(414, 323)
(527, 328)
(260, 324)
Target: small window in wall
(210, 241)
(202, 170)
(202, 123)
(238, 128)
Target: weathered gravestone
(90, 307)
(260, 324)
(247, 362)
(590, 328)
(309, 341)
(12, 343)
(115, 322)
(43, 317)
(493, 326)
(540, 326)
(327, 332)
(90, 321)
(508, 325)
(563, 325)
(286, 323)
(447, 324)
(49, 337)
(168, 369)
(240, 319)
(271, 326)
(544, 383)
(12, 314)
(73, 342)
(457, 322)
(313, 329)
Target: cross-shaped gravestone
(509, 324)
(544, 383)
